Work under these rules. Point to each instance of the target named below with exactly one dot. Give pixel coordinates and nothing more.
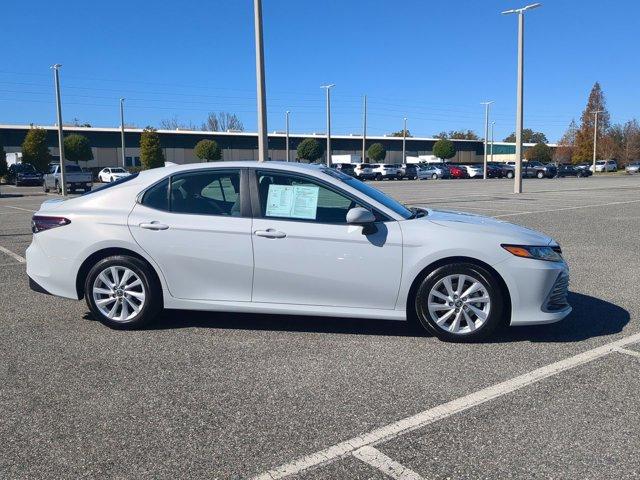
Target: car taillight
(40, 223)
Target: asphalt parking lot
(212, 395)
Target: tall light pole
(404, 141)
(595, 137)
(122, 130)
(328, 89)
(263, 141)
(517, 188)
(364, 130)
(486, 136)
(492, 124)
(286, 115)
(56, 79)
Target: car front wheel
(122, 292)
(509, 174)
(459, 302)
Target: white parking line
(566, 208)
(12, 255)
(20, 208)
(442, 411)
(386, 465)
(626, 351)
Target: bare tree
(174, 124)
(221, 122)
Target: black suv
(23, 174)
(534, 169)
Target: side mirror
(362, 216)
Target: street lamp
(595, 137)
(56, 80)
(486, 135)
(519, 106)
(122, 130)
(492, 124)
(263, 141)
(364, 130)
(404, 141)
(286, 114)
(328, 89)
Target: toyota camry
(293, 239)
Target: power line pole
(328, 89)
(56, 78)
(122, 130)
(286, 114)
(364, 131)
(517, 188)
(263, 140)
(595, 138)
(404, 141)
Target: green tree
(309, 149)
(35, 150)
(208, 150)
(458, 135)
(444, 149)
(528, 136)
(540, 152)
(151, 155)
(376, 153)
(401, 133)
(77, 148)
(583, 150)
(3, 162)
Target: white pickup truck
(74, 177)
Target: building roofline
(242, 134)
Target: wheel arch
(95, 257)
(457, 259)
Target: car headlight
(550, 254)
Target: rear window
(157, 196)
(72, 168)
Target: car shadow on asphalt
(591, 317)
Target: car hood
(508, 232)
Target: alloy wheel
(118, 293)
(459, 304)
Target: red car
(458, 172)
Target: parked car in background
(535, 169)
(474, 170)
(411, 171)
(457, 171)
(363, 171)
(573, 171)
(506, 170)
(74, 177)
(23, 174)
(493, 171)
(605, 166)
(402, 167)
(347, 168)
(294, 239)
(433, 171)
(111, 174)
(632, 168)
(382, 171)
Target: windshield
(118, 170)
(72, 168)
(371, 192)
(24, 168)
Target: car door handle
(270, 233)
(154, 226)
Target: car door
(306, 254)
(196, 228)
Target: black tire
(540, 174)
(510, 175)
(434, 176)
(58, 188)
(44, 187)
(494, 291)
(153, 291)
(378, 176)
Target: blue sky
(432, 61)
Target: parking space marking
(566, 208)
(440, 412)
(12, 255)
(386, 465)
(626, 351)
(20, 208)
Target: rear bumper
(50, 274)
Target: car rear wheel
(44, 187)
(58, 188)
(122, 292)
(434, 176)
(459, 302)
(378, 176)
(509, 174)
(540, 174)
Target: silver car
(632, 168)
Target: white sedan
(290, 239)
(111, 174)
